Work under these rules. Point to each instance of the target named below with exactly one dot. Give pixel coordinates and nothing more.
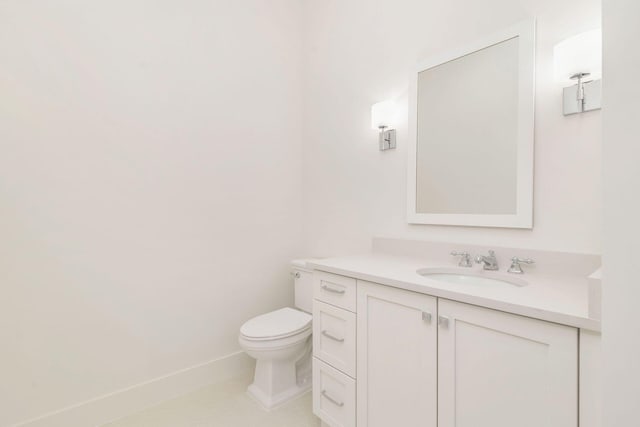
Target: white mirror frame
(523, 218)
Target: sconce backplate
(571, 104)
(387, 139)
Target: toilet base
(273, 402)
(276, 383)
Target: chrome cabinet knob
(443, 322)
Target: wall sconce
(383, 118)
(579, 58)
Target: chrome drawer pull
(335, 291)
(335, 402)
(328, 335)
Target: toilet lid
(276, 324)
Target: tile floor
(222, 405)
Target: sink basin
(475, 278)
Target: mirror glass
(467, 132)
(474, 135)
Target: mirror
(471, 158)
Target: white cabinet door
(501, 370)
(397, 350)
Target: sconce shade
(383, 114)
(581, 53)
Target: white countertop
(555, 298)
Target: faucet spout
(489, 262)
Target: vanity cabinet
(501, 370)
(431, 362)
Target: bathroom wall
(360, 52)
(150, 194)
(621, 177)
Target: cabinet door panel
(397, 356)
(501, 370)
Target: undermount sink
(475, 278)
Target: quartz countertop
(558, 298)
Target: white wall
(360, 52)
(621, 288)
(150, 197)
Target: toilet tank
(303, 285)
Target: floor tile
(222, 405)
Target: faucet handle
(516, 268)
(465, 261)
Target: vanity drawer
(334, 337)
(334, 395)
(335, 290)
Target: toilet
(280, 341)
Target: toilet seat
(276, 325)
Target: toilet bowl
(280, 341)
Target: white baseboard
(121, 403)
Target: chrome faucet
(488, 262)
(465, 261)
